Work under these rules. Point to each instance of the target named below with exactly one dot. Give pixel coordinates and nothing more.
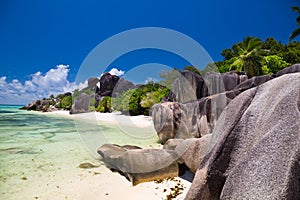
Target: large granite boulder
(189, 86)
(81, 104)
(39, 105)
(107, 84)
(92, 83)
(171, 144)
(253, 82)
(255, 147)
(32, 106)
(192, 151)
(140, 165)
(197, 118)
(292, 69)
(122, 86)
(187, 120)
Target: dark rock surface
(107, 82)
(81, 104)
(189, 86)
(40, 105)
(255, 147)
(140, 165)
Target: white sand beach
(42, 177)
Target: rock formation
(255, 149)
(187, 120)
(292, 69)
(140, 165)
(190, 86)
(199, 117)
(110, 85)
(81, 104)
(47, 105)
(242, 144)
(122, 86)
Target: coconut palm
(249, 56)
(296, 32)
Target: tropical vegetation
(257, 57)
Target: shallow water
(38, 150)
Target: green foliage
(169, 76)
(92, 108)
(227, 65)
(48, 105)
(210, 67)
(256, 57)
(154, 97)
(92, 101)
(87, 91)
(139, 100)
(105, 105)
(121, 102)
(66, 102)
(274, 64)
(249, 56)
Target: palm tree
(249, 56)
(296, 32)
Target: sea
(37, 150)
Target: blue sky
(36, 36)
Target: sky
(44, 44)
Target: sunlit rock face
(255, 146)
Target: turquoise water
(34, 149)
(38, 152)
(22, 131)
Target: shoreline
(101, 182)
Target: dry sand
(66, 180)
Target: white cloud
(150, 79)
(115, 71)
(39, 86)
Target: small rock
(87, 165)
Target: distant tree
(273, 63)
(138, 101)
(291, 53)
(51, 97)
(296, 32)
(168, 77)
(105, 105)
(66, 102)
(192, 69)
(227, 54)
(154, 97)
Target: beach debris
(24, 178)
(87, 165)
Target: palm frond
(295, 33)
(296, 9)
(298, 20)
